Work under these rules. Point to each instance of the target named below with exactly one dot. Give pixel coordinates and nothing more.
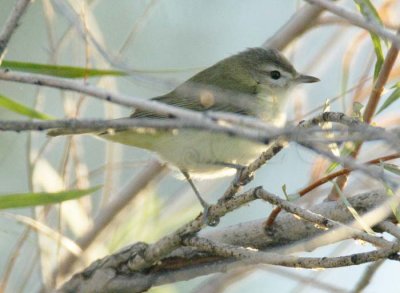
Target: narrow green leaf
(19, 108)
(345, 151)
(332, 167)
(285, 191)
(42, 198)
(290, 197)
(352, 210)
(368, 10)
(394, 96)
(393, 205)
(391, 168)
(57, 70)
(356, 113)
(376, 41)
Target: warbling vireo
(255, 82)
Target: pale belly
(201, 153)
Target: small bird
(255, 83)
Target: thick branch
(296, 26)
(113, 272)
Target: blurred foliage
(19, 108)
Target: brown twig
(325, 179)
(370, 109)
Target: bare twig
(370, 109)
(349, 162)
(12, 258)
(357, 20)
(296, 26)
(335, 20)
(326, 179)
(244, 127)
(253, 256)
(390, 228)
(102, 94)
(245, 175)
(367, 276)
(322, 222)
(383, 77)
(220, 282)
(103, 281)
(170, 242)
(127, 194)
(11, 24)
(105, 274)
(288, 230)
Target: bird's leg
(206, 206)
(201, 200)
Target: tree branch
(105, 216)
(114, 272)
(11, 24)
(326, 179)
(370, 109)
(357, 20)
(295, 27)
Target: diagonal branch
(105, 216)
(357, 20)
(370, 109)
(11, 24)
(296, 26)
(326, 179)
(186, 263)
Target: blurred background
(162, 43)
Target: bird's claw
(207, 218)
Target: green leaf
(391, 168)
(357, 107)
(368, 10)
(393, 205)
(345, 151)
(352, 210)
(19, 108)
(379, 54)
(394, 96)
(59, 71)
(290, 197)
(332, 167)
(42, 198)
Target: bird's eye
(275, 74)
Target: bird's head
(272, 71)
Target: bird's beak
(306, 79)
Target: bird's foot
(207, 218)
(242, 175)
